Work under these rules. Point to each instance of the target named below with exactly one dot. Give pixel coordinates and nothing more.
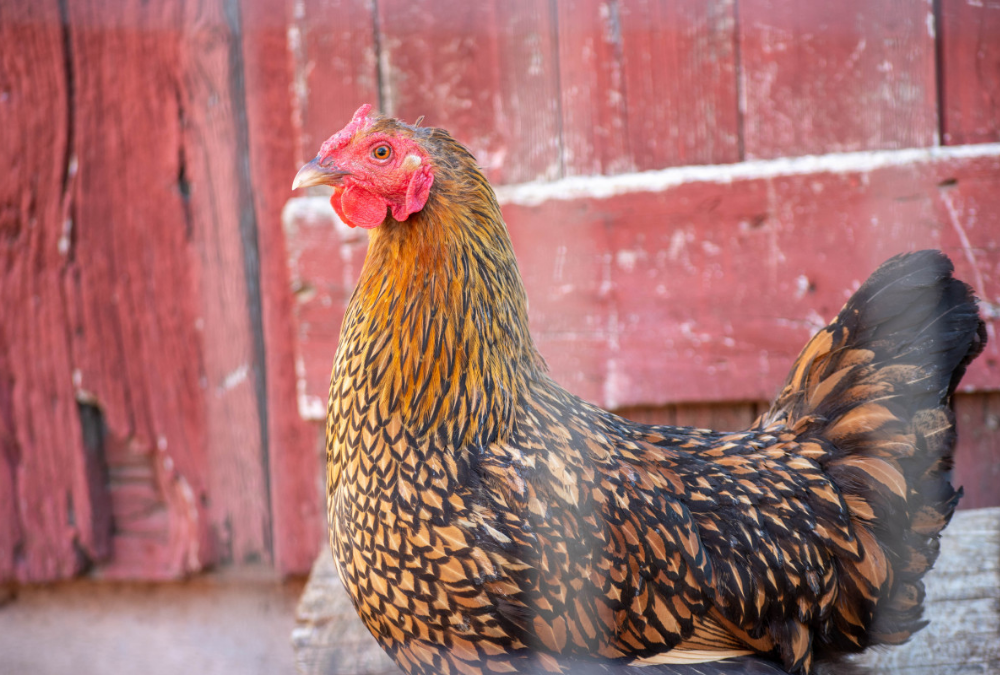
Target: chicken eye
(382, 152)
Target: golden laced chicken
(485, 520)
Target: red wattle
(360, 208)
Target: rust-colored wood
(483, 70)
(822, 77)
(129, 285)
(707, 291)
(646, 85)
(734, 416)
(723, 416)
(528, 112)
(970, 71)
(217, 188)
(292, 459)
(53, 512)
(336, 66)
(977, 462)
(679, 69)
(665, 414)
(592, 82)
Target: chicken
(485, 520)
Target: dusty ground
(213, 625)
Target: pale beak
(314, 173)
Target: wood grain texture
(329, 638)
(591, 77)
(963, 597)
(963, 635)
(703, 291)
(219, 207)
(485, 71)
(324, 260)
(336, 68)
(822, 77)
(729, 417)
(977, 460)
(291, 460)
(970, 71)
(725, 415)
(680, 79)
(54, 516)
(130, 287)
(706, 292)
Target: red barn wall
(692, 187)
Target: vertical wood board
(970, 71)
(291, 458)
(336, 66)
(592, 81)
(484, 71)
(54, 515)
(218, 204)
(129, 284)
(977, 461)
(679, 67)
(836, 77)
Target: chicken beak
(315, 173)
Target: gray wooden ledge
(963, 606)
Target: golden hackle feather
(485, 520)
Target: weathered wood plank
(329, 638)
(823, 77)
(129, 282)
(977, 466)
(702, 290)
(722, 417)
(963, 635)
(485, 71)
(336, 66)
(666, 414)
(680, 82)
(291, 456)
(219, 204)
(528, 116)
(970, 71)
(324, 260)
(708, 290)
(592, 91)
(54, 516)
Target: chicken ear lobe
(359, 207)
(417, 192)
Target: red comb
(344, 136)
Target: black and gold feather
(484, 520)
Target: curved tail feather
(874, 390)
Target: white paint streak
(311, 408)
(989, 310)
(801, 286)
(602, 187)
(234, 378)
(852, 60)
